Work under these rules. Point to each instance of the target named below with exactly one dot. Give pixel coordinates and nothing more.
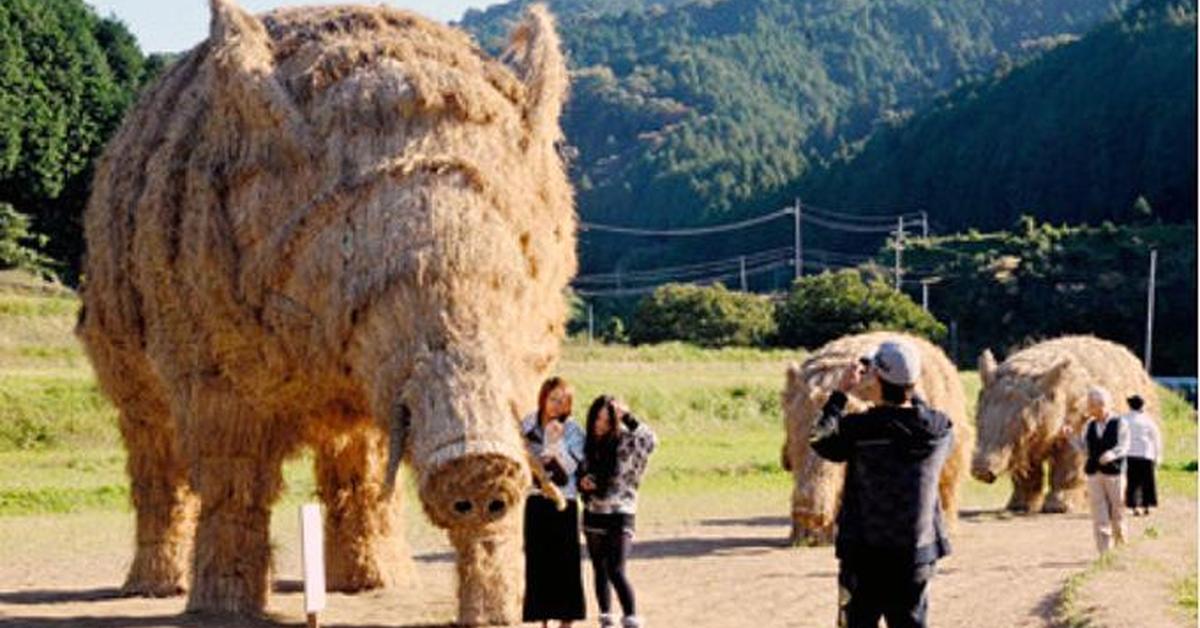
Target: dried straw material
(320, 227)
(1026, 401)
(816, 495)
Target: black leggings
(608, 551)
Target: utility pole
(954, 341)
(899, 246)
(798, 245)
(924, 225)
(591, 323)
(925, 295)
(742, 262)
(1150, 309)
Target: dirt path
(1005, 572)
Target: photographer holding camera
(616, 450)
(890, 532)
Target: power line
(705, 280)
(693, 231)
(889, 219)
(708, 267)
(867, 215)
(845, 226)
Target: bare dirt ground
(1006, 571)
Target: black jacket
(894, 456)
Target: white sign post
(312, 561)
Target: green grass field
(717, 413)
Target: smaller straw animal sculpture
(1024, 404)
(817, 489)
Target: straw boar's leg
(364, 547)
(1028, 487)
(236, 456)
(1066, 480)
(166, 510)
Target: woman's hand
(554, 431)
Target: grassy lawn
(717, 413)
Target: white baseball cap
(897, 362)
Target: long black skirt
(553, 579)
(1140, 491)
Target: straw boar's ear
(987, 367)
(1053, 377)
(535, 54)
(244, 66)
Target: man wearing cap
(890, 532)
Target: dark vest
(1098, 443)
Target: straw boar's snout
(474, 490)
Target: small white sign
(312, 557)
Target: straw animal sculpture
(340, 228)
(1026, 401)
(817, 489)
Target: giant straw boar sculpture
(1026, 401)
(817, 489)
(345, 228)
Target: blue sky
(172, 25)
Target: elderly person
(890, 533)
(1106, 441)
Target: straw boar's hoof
(147, 583)
(1064, 501)
(473, 491)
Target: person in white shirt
(1106, 441)
(1145, 453)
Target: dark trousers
(609, 538)
(870, 590)
(1140, 491)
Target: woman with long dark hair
(616, 451)
(553, 582)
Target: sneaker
(607, 621)
(631, 621)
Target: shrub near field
(717, 412)
(709, 316)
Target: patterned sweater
(633, 453)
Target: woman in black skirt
(1145, 453)
(553, 582)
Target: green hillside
(1075, 135)
(682, 115)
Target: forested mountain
(1077, 134)
(682, 115)
(66, 79)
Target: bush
(823, 307)
(18, 246)
(709, 316)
